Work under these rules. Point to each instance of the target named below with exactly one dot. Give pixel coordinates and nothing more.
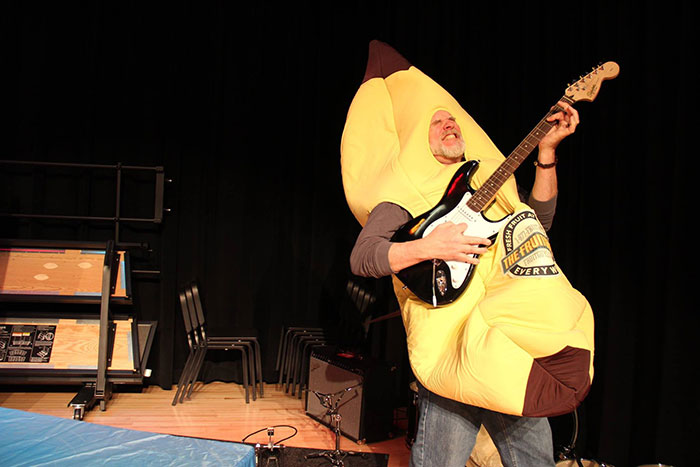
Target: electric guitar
(439, 282)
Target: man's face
(445, 138)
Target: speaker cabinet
(366, 410)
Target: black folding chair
(189, 363)
(250, 342)
(363, 298)
(201, 344)
(303, 368)
(286, 350)
(282, 350)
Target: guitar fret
(488, 190)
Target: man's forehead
(441, 115)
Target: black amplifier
(367, 409)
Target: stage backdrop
(244, 107)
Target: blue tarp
(35, 440)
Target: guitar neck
(485, 194)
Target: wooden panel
(56, 272)
(76, 345)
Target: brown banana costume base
(520, 340)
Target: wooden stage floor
(216, 411)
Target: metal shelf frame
(117, 219)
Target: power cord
(270, 434)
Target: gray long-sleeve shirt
(370, 255)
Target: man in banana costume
(517, 346)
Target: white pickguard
(477, 226)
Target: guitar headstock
(587, 88)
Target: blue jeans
(447, 432)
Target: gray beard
(453, 152)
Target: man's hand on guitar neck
(546, 185)
(447, 242)
(566, 122)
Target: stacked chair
(297, 342)
(363, 298)
(293, 353)
(199, 341)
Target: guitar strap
(520, 340)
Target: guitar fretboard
(483, 196)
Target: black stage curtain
(244, 106)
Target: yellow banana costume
(520, 340)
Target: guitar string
(488, 190)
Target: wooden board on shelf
(57, 272)
(74, 346)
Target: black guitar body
(439, 282)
